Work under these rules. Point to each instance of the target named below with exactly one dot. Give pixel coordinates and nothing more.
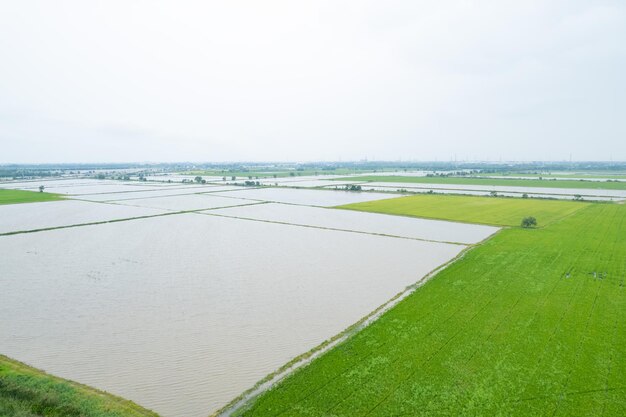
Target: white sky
(89, 81)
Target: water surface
(182, 313)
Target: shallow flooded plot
(363, 222)
(487, 193)
(177, 178)
(181, 313)
(20, 217)
(186, 202)
(161, 192)
(57, 182)
(315, 183)
(90, 186)
(88, 190)
(325, 198)
(546, 192)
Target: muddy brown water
(182, 313)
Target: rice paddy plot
(531, 323)
(483, 210)
(19, 217)
(569, 193)
(181, 313)
(362, 222)
(463, 191)
(312, 183)
(185, 202)
(21, 196)
(135, 195)
(52, 182)
(169, 191)
(324, 198)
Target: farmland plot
(326, 198)
(181, 313)
(486, 210)
(185, 202)
(21, 217)
(362, 222)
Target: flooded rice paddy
(182, 313)
(186, 202)
(434, 230)
(21, 217)
(324, 198)
(590, 194)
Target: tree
(493, 194)
(198, 179)
(524, 195)
(352, 187)
(41, 188)
(578, 197)
(529, 222)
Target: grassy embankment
(530, 323)
(504, 182)
(483, 210)
(29, 392)
(20, 196)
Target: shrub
(529, 222)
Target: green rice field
(21, 196)
(485, 210)
(28, 392)
(504, 182)
(530, 323)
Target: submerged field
(507, 182)
(21, 196)
(485, 210)
(29, 392)
(531, 323)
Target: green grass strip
(29, 392)
(20, 196)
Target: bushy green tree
(529, 222)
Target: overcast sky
(88, 81)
